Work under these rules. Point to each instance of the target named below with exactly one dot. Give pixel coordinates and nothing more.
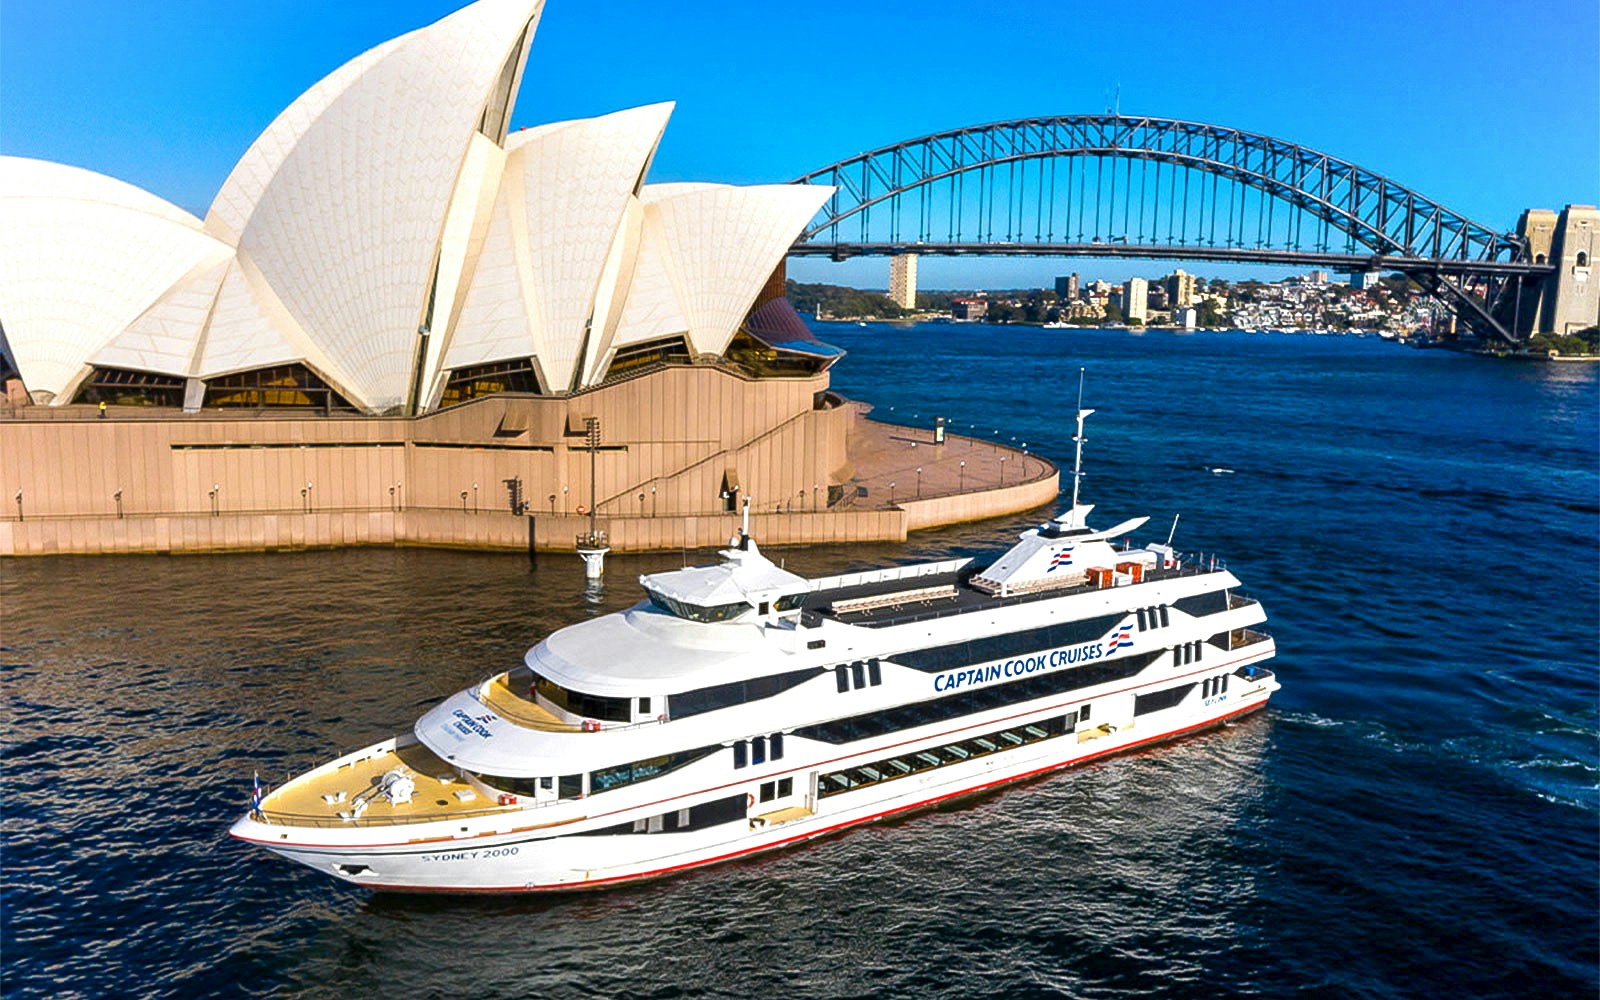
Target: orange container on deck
(1134, 570)
(1100, 576)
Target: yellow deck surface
(779, 816)
(300, 801)
(508, 703)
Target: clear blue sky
(1486, 107)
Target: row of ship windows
(707, 814)
(858, 675)
(951, 753)
(890, 720)
(761, 749)
(863, 673)
(758, 750)
(1153, 617)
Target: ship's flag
(255, 795)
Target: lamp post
(474, 498)
(814, 487)
(117, 496)
(891, 494)
(552, 505)
(563, 501)
(963, 477)
(391, 499)
(215, 489)
(919, 482)
(652, 501)
(641, 503)
(305, 498)
(463, 501)
(19, 506)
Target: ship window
(608, 778)
(700, 817)
(758, 750)
(588, 705)
(954, 706)
(644, 706)
(858, 674)
(935, 757)
(768, 791)
(1002, 647)
(789, 602)
(785, 787)
(875, 671)
(1083, 714)
(1224, 683)
(776, 746)
(1165, 619)
(741, 754)
(516, 786)
(1141, 619)
(1200, 605)
(698, 612)
(710, 699)
(546, 784)
(816, 643)
(571, 786)
(841, 674)
(1156, 701)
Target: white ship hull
(548, 849)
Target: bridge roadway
(1118, 248)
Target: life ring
(749, 800)
(582, 509)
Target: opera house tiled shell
(389, 246)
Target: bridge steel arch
(887, 201)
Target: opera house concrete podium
(403, 322)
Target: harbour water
(1415, 815)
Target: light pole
(463, 501)
(391, 499)
(652, 501)
(814, 487)
(305, 498)
(563, 501)
(19, 506)
(474, 498)
(891, 494)
(919, 482)
(963, 477)
(215, 489)
(641, 503)
(552, 505)
(117, 496)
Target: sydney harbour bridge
(1121, 186)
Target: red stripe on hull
(897, 810)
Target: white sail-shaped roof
(561, 206)
(81, 257)
(358, 181)
(724, 242)
(385, 230)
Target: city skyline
(168, 99)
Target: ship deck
(439, 793)
(960, 597)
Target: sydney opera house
(399, 313)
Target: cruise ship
(741, 708)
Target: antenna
(1077, 463)
(1174, 530)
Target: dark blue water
(1416, 815)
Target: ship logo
(1122, 638)
(1060, 559)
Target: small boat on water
(741, 708)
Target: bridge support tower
(1568, 300)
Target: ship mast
(1077, 462)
